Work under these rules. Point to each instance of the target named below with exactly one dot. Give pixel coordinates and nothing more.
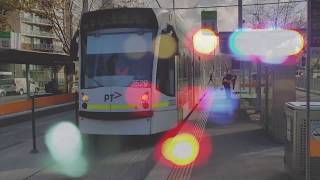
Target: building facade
(36, 33)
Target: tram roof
(118, 17)
(14, 56)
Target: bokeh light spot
(137, 44)
(272, 46)
(65, 146)
(168, 46)
(205, 41)
(220, 107)
(181, 150)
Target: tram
(126, 86)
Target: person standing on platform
(211, 79)
(234, 79)
(226, 82)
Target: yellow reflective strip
(122, 106)
(160, 105)
(98, 107)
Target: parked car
(21, 85)
(52, 87)
(3, 92)
(8, 85)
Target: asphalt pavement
(241, 150)
(113, 157)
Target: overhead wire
(158, 3)
(236, 5)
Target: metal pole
(85, 6)
(240, 20)
(173, 5)
(250, 88)
(27, 79)
(34, 140)
(266, 99)
(258, 87)
(193, 97)
(308, 94)
(77, 108)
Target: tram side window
(166, 76)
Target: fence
(314, 83)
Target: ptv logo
(112, 96)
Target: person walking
(234, 79)
(211, 79)
(226, 82)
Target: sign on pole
(315, 23)
(209, 20)
(314, 129)
(5, 39)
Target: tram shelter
(31, 72)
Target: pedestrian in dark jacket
(234, 79)
(226, 82)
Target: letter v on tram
(129, 84)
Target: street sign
(5, 39)
(315, 23)
(209, 19)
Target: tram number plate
(111, 97)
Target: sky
(227, 16)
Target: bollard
(34, 143)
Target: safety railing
(314, 83)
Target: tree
(291, 14)
(58, 12)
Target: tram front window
(117, 58)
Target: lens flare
(205, 41)
(184, 145)
(220, 107)
(65, 146)
(168, 46)
(181, 150)
(272, 46)
(136, 44)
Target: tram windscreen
(118, 58)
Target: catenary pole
(307, 175)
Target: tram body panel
(115, 127)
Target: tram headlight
(85, 98)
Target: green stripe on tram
(98, 107)
(112, 107)
(107, 107)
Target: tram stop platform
(20, 109)
(241, 149)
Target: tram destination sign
(119, 18)
(315, 23)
